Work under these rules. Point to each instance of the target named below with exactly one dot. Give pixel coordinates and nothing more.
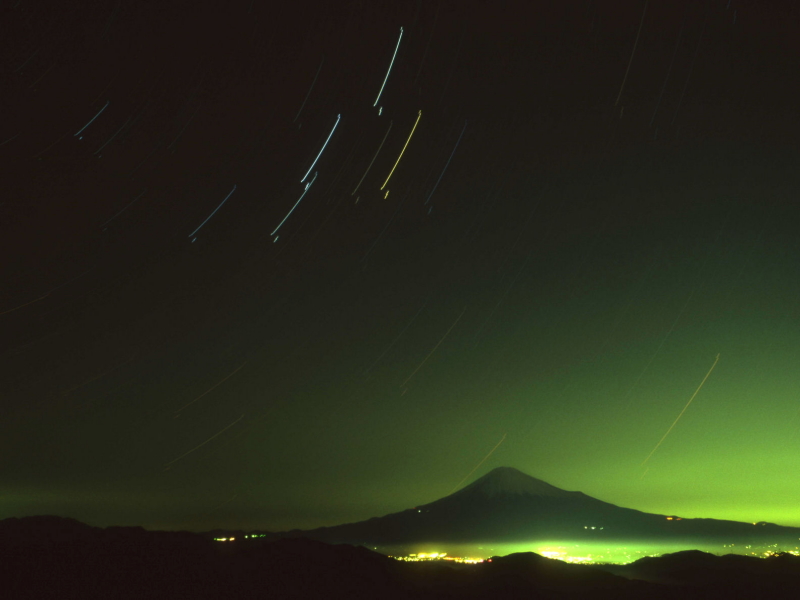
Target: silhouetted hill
(51, 557)
(732, 575)
(506, 505)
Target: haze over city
(273, 270)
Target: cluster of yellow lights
(426, 556)
(247, 537)
(563, 556)
(611, 555)
(558, 553)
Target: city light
(570, 552)
(431, 556)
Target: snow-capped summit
(510, 481)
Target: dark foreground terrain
(52, 557)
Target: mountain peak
(511, 481)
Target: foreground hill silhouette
(506, 506)
(53, 557)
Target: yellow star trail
(419, 115)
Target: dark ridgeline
(53, 557)
(506, 505)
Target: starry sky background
(598, 199)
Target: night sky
(596, 213)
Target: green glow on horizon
(581, 552)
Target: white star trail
(448, 163)
(215, 210)
(131, 203)
(185, 454)
(322, 149)
(435, 347)
(390, 67)
(309, 90)
(308, 187)
(93, 118)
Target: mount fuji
(506, 505)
